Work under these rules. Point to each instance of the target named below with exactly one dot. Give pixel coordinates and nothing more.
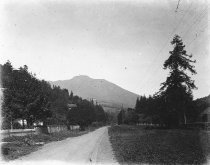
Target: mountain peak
(100, 89)
(81, 77)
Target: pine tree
(71, 95)
(177, 89)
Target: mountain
(106, 93)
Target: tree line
(28, 98)
(172, 105)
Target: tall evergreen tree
(177, 89)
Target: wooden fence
(17, 132)
(201, 125)
(56, 128)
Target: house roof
(206, 111)
(18, 119)
(72, 105)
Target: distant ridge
(105, 92)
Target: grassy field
(136, 145)
(17, 146)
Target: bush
(17, 125)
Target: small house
(19, 123)
(71, 106)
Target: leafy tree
(149, 108)
(85, 113)
(8, 113)
(111, 117)
(58, 105)
(121, 117)
(25, 96)
(100, 115)
(176, 91)
(131, 116)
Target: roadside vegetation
(139, 145)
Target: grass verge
(136, 145)
(16, 146)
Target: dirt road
(93, 147)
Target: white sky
(125, 42)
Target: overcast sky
(125, 42)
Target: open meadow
(138, 145)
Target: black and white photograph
(113, 82)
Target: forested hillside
(28, 98)
(202, 103)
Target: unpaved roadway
(93, 147)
